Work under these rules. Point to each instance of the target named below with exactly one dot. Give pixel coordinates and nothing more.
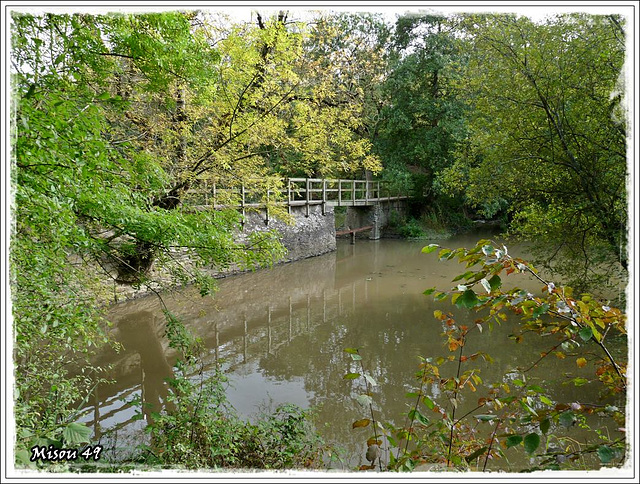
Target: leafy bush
(199, 429)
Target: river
(280, 336)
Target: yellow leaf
(581, 362)
(361, 423)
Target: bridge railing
(293, 192)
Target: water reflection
(281, 334)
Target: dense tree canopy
(548, 133)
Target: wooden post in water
(353, 237)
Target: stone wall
(309, 236)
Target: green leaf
(545, 400)
(585, 333)
(364, 400)
(30, 92)
(540, 310)
(486, 418)
(421, 418)
(495, 282)
(355, 357)
(545, 425)
(536, 388)
(429, 248)
(605, 453)
(76, 433)
(23, 457)
(476, 454)
(351, 376)
(531, 442)
(468, 299)
(429, 291)
(103, 96)
(429, 403)
(566, 419)
(353, 351)
(513, 440)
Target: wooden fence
(295, 192)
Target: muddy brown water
(280, 336)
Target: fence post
(353, 192)
(339, 192)
(214, 195)
(324, 196)
(307, 196)
(289, 195)
(242, 203)
(266, 209)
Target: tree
(423, 117)
(548, 134)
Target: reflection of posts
(290, 319)
(268, 330)
(138, 335)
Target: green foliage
(422, 117)
(202, 431)
(547, 137)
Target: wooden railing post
(266, 209)
(324, 196)
(353, 192)
(339, 193)
(242, 203)
(289, 195)
(307, 196)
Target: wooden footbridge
(294, 192)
